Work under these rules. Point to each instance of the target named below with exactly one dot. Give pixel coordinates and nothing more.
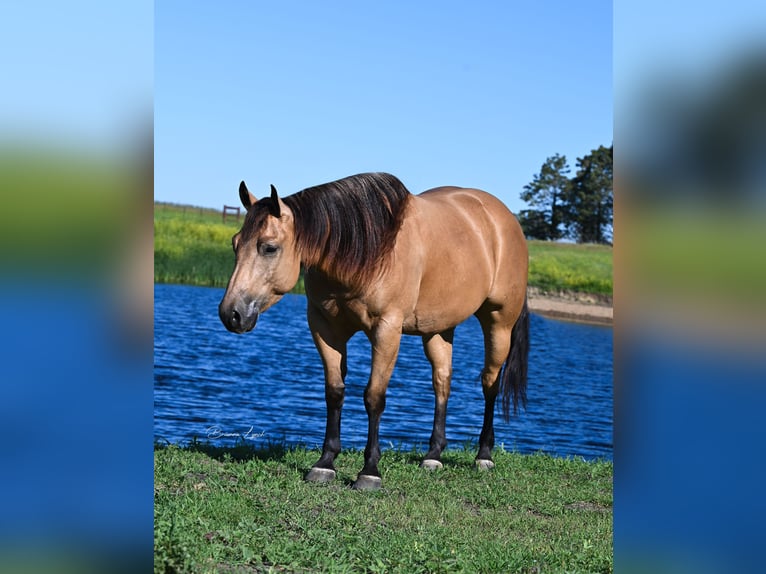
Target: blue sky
(437, 93)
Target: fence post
(227, 209)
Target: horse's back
(455, 214)
(471, 250)
(469, 203)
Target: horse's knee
(442, 375)
(374, 401)
(335, 393)
(441, 386)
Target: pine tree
(545, 193)
(588, 203)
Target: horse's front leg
(438, 348)
(385, 339)
(331, 344)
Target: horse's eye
(235, 242)
(268, 249)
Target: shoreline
(564, 306)
(570, 306)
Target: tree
(588, 202)
(534, 224)
(545, 193)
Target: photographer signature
(217, 432)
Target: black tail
(513, 379)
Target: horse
(381, 260)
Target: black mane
(344, 228)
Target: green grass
(570, 267)
(243, 509)
(192, 246)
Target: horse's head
(267, 261)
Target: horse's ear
(247, 198)
(275, 209)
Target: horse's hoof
(483, 464)
(431, 464)
(367, 482)
(317, 474)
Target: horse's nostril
(235, 318)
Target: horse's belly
(426, 325)
(435, 316)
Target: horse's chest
(347, 311)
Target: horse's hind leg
(438, 348)
(496, 326)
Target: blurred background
(76, 176)
(690, 279)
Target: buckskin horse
(381, 260)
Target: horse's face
(267, 262)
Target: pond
(268, 386)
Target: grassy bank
(247, 510)
(570, 267)
(193, 246)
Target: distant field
(193, 246)
(570, 267)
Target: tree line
(578, 208)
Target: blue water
(268, 385)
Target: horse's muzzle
(239, 317)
